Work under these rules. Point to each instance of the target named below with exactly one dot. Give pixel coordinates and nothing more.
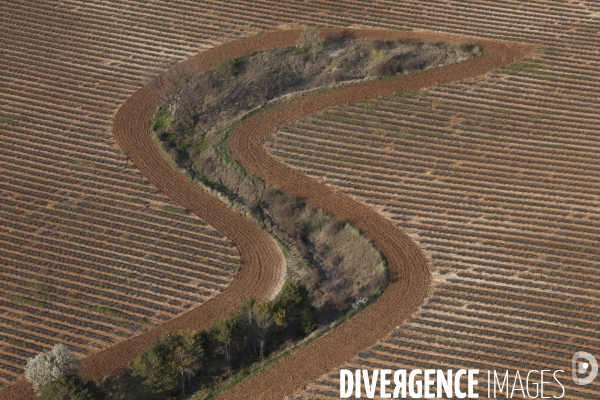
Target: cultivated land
(408, 270)
(409, 275)
(508, 206)
(90, 252)
(262, 272)
(337, 264)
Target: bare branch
(173, 85)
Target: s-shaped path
(262, 262)
(409, 275)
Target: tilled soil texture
(262, 262)
(338, 268)
(262, 271)
(409, 276)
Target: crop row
(508, 200)
(71, 206)
(497, 180)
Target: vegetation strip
(262, 262)
(338, 265)
(408, 270)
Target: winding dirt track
(409, 275)
(262, 262)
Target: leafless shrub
(340, 37)
(310, 41)
(172, 86)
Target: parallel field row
(497, 180)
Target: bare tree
(48, 366)
(262, 316)
(173, 85)
(311, 41)
(183, 365)
(263, 319)
(186, 355)
(226, 331)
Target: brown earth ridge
(262, 262)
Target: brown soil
(409, 275)
(262, 263)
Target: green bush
(229, 347)
(294, 301)
(167, 366)
(379, 56)
(228, 67)
(155, 365)
(70, 387)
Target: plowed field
(90, 252)
(409, 275)
(495, 178)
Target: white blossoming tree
(48, 366)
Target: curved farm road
(262, 263)
(409, 274)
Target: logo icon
(579, 368)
